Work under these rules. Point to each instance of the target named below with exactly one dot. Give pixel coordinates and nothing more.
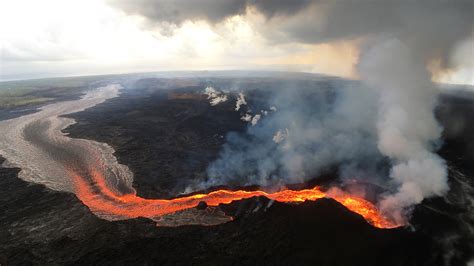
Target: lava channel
(105, 202)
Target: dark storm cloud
(271, 7)
(427, 24)
(432, 25)
(177, 11)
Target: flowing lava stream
(108, 202)
(101, 199)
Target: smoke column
(394, 63)
(406, 126)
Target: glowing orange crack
(110, 202)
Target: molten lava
(102, 200)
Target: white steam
(406, 126)
(280, 135)
(215, 97)
(255, 119)
(329, 127)
(240, 101)
(247, 117)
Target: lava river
(105, 201)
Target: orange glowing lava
(102, 200)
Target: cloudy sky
(41, 38)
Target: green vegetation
(11, 102)
(39, 91)
(22, 87)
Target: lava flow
(102, 200)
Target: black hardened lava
(40, 226)
(167, 143)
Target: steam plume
(328, 128)
(240, 101)
(406, 126)
(215, 97)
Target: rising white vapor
(255, 119)
(247, 117)
(240, 101)
(215, 97)
(280, 135)
(407, 128)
